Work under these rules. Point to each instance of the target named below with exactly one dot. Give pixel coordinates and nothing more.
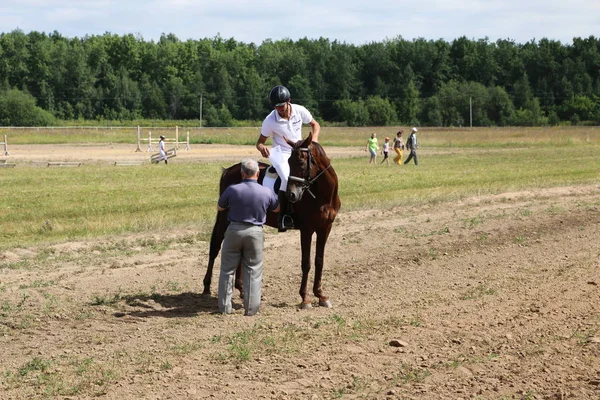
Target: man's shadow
(169, 305)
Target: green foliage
(531, 115)
(381, 111)
(410, 105)
(585, 108)
(354, 113)
(18, 109)
(111, 77)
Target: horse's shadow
(180, 305)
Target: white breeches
(282, 167)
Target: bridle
(307, 181)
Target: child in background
(385, 151)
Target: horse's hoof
(205, 295)
(326, 304)
(305, 306)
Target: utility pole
(470, 112)
(200, 110)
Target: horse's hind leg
(322, 236)
(208, 277)
(238, 283)
(305, 242)
(216, 239)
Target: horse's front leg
(305, 242)
(322, 235)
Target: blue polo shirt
(248, 202)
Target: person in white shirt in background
(161, 150)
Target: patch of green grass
(583, 337)
(397, 322)
(106, 300)
(339, 320)
(240, 345)
(433, 253)
(21, 264)
(166, 366)
(445, 230)
(474, 221)
(33, 365)
(525, 213)
(261, 341)
(37, 284)
(338, 393)
(520, 240)
(173, 286)
(356, 386)
(528, 395)
(185, 347)
(352, 238)
(554, 210)
(477, 292)
(415, 321)
(410, 374)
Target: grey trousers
(243, 243)
(413, 154)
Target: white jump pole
(5, 146)
(176, 137)
(138, 139)
(187, 141)
(149, 141)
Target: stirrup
(286, 223)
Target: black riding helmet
(279, 96)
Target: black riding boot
(284, 221)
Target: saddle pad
(271, 180)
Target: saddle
(271, 180)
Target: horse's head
(303, 168)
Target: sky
(348, 21)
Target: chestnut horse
(314, 212)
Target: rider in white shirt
(285, 120)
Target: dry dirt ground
(492, 297)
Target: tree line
(45, 77)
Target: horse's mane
(319, 152)
(316, 147)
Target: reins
(307, 181)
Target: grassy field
(330, 136)
(52, 205)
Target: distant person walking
(372, 148)
(412, 145)
(385, 151)
(398, 146)
(161, 150)
(247, 204)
